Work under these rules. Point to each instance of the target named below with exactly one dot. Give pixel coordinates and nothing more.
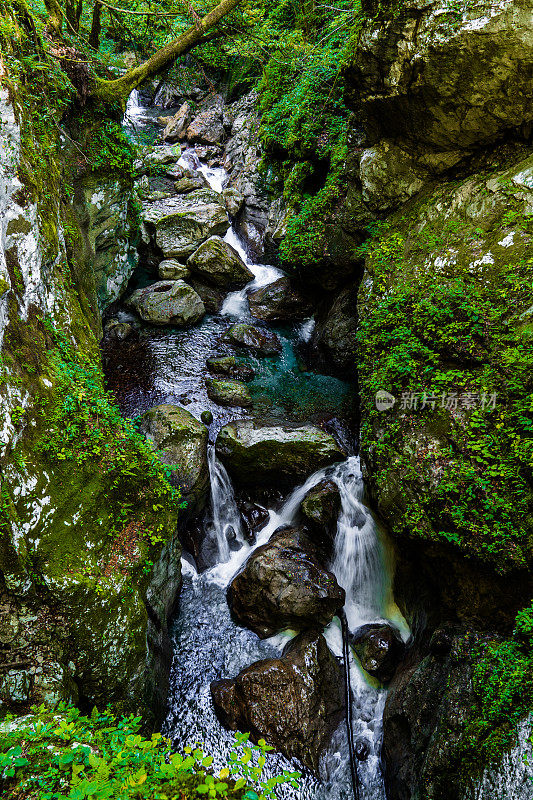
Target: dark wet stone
(379, 649)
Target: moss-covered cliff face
(444, 179)
(89, 564)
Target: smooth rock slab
(218, 263)
(283, 585)
(183, 222)
(228, 393)
(275, 454)
(182, 442)
(168, 303)
(294, 702)
(262, 341)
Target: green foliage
(84, 427)
(502, 679)
(457, 335)
(304, 118)
(62, 755)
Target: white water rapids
(209, 645)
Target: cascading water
(208, 644)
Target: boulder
(228, 393)
(262, 341)
(190, 181)
(279, 454)
(294, 702)
(283, 585)
(380, 649)
(218, 263)
(158, 156)
(181, 442)
(233, 201)
(212, 298)
(229, 367)
(279, 302)
(179, 224)
(176, 126)
(207, 128)
(254, 517)
(321, 508)
(168, 303)
(171, 270)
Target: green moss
(443, 313)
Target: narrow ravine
(168, 366)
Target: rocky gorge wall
(89, 562)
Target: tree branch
(119, 89)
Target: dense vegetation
(62, 755)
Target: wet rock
(321, 508)
(294, 702)
(379, 649)
(218, 263)
(207, 128)
(254, 517)
(279, 302)
(262, 341)
(283, 585)
(176, 126)
(233, 201)
(179, 224)
(168, 303)
(206, 417)
(171, 270)
(362, 750)
(333, 344)
(212, 298)
(228, 393)
(118, 331)
(181, 441)
(255, 453)
(229, 367)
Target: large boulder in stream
(229, 367)
(279, 302)
(284, 585)
(379, 648)
(282, 455)
(176, 127)
(168, 303)
(218, 263)
(177, 225)
(226, 392)
(321, 508)
(294, 702)
(207, 127)
(181, 442)
(262, 341)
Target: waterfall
(225, 525)
(358, 558)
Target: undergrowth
(62, 755)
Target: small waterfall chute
(225, 523)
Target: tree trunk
(55, 19)
(71, 15)
(96, 26)
(117, 91)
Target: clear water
(168, 365)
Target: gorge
(266, 363)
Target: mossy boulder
(168, 303)
(261, 341)
(279, 302)
(228, 392)
(278, 455)
(181, 441)
(218, 263)
(229, 367)
(321, 508)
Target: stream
(168, 366)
